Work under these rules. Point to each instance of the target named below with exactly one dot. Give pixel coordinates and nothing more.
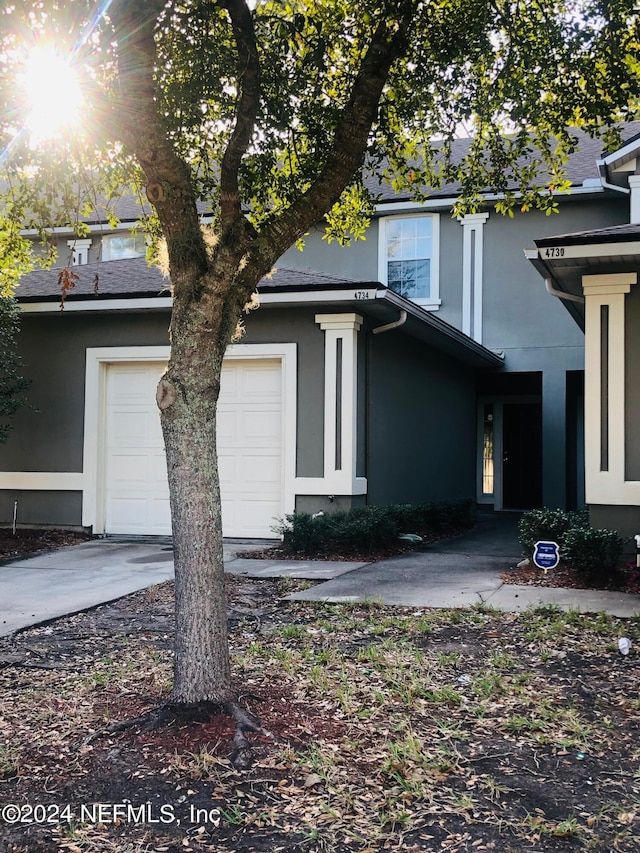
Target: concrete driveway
(36, 589)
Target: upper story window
(408, 257)
(117, 247)
(80, 251)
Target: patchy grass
(392, 730)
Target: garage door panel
(126, 426)
(263, 383)
(260, 469)
(249, 440)
(128, 468)
(226, 424)
(259, 515)
(131, 512)
(160, 514)
(261, 425)
(129, 383)
(157, 468)
(227, 469)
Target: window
(121, 246)
(409, 257)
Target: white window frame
(434, 301)
(106, 245)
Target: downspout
(402, 319)
(561, 294)
(602, 168)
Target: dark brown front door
(521, 455)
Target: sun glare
(52, 93)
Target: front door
(521, 455)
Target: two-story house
(427, 362)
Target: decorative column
(472, 270)
(605, 421)
(340, 397)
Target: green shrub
(367, 530)
(594, 553)
(543, 524)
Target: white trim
(429, 204)
(598, 250)
(621, 153)
(331, 486)
(434, 301)
(35, 481)
(141, 304)
(606, 487)
(357, 292)
(414, 207)
(80, 251)
(97, 361)
(634, 204)
(472, 273)
(339, 478)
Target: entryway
(510, 453)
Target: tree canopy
(278, 115)
(255, 102)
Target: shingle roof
(580, 167)
(613, 234)
(134, 278)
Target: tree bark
(192, 380)
(210, 288)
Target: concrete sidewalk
(457, 573)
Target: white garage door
(249, 449)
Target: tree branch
(247, 108)
(142, 130)
(388, 43)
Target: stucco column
(605, 416)
(472, 273)
(340, 403)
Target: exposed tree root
(199, 712)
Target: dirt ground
(391, 729)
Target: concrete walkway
(461, 572)
(456, 573)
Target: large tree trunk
(187, 397)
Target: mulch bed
(26, 542)
(627, 579)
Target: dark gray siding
(41, 509)
(623, 519)
(519, 316)
(421, 423)
(48, 436)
